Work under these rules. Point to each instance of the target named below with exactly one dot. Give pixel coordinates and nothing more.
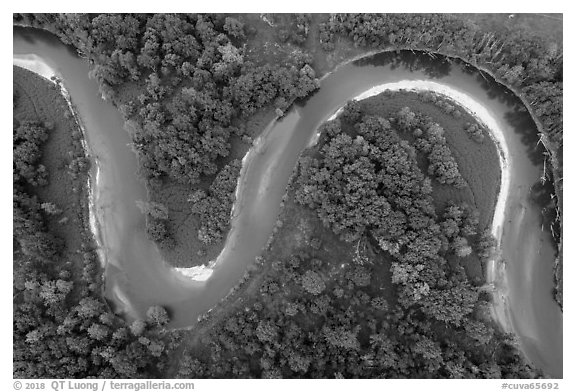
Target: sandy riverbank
(480, 113)
(33, 63)
(202, 273)
(40, 67)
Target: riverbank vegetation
(363, 277)
(62, 325)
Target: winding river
(137, 277)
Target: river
(136, 276)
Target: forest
(381, 285)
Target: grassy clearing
(264, 47)
(186, 250)
(545, 25)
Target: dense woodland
(187, 86)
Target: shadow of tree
(498, 91)
(541, 194)
(33, 35)
(522, 123)
(26, 33)
(433, 66)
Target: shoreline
(200, 273)
(495, 274)
(203, 272)
(479, 113)
(551, 156)
(40, 67)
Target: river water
(137, 277)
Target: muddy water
(137, 278)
